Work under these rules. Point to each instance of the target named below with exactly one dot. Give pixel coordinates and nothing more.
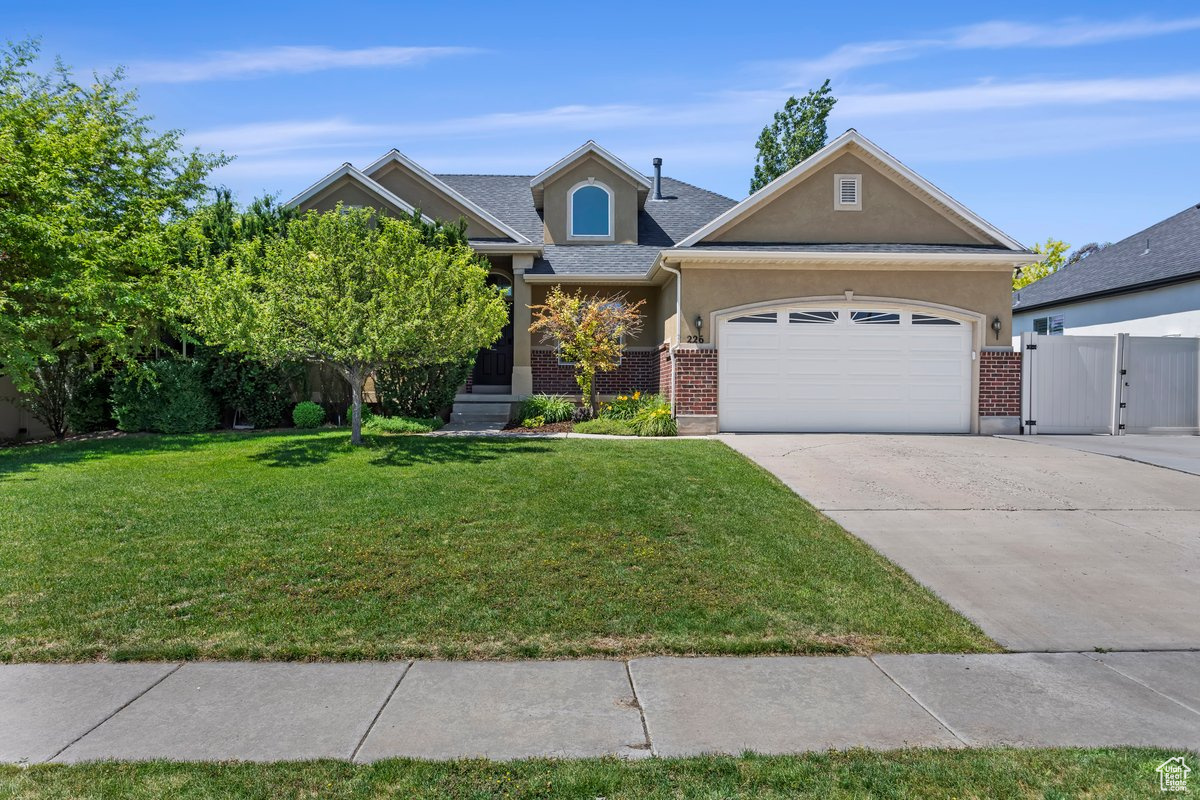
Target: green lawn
(298, 546)
(964, 774)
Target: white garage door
(847, 368)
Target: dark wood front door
(493, 365)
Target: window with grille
(1052, 325)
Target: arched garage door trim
(975, 320)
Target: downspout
(678, 327)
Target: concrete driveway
(1046, 548)
(1173, 452)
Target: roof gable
(976, 228)
(588, 148)
(347, 174)
(398, 172)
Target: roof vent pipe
(657, 178)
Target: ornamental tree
(1055, 257)
(588, 331)
(351, 289)
(87, 192)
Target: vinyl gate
(1110, 384)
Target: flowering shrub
(646, 414)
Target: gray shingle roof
(1173, 254)
(661, 223)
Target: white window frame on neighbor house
(589, 237)
(1051, 329)
(838, 179)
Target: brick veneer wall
(695, 382)
(639, 370)
(999, 384)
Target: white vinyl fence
(1110, 384)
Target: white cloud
(253, 63)
(284, 135)
(988, 95)
(993, 35)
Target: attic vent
(847, 192)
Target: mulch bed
(552, 427)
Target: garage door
(847, 368)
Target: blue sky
(1074, 120)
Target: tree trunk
(357, 378)
(51, 395)
(593, 398)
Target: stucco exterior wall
(707, 290)
(625, 200)
(347, 192)
(1166, 311)
(15, 421)
(890, 213)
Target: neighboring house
(850, 294)
(1145, 285)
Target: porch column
(522, 374)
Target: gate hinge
(1121, 427)
(1124, 371)
(1123, 405)
(1031, 347)
(1029, 422)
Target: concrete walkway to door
(1046, 548)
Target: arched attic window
(590, 210)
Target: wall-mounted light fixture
(997, 326)
(699, 323)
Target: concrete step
(475, 411)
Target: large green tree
(87, 192)
(796, 132)
(350, 289)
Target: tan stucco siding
(890, 213)
(349, 193)
(706, 291)
(665, 319)
(419, 193)
(650, 335)
(625, 200)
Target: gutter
(1120, 290)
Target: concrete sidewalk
(662, 706)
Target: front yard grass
(991, 774)
(299, 546)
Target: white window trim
(584, 237)
(838, 205)
(1062, 320)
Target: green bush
(419, 391)
(165, 396)
(401, 424)
(256, 393)
(89, 409)
(308, 415)
(550, 407)
(654, 420)
(615, 427)
(533, 422)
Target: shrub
(165, 396)
(254, 392)
(654, 420)
(401, 424)
(550, 407)
(615, 427)
(308, 415)
(624, 406)
(419, 391)
(88, 409)
(533, 422)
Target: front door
(493, 365)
